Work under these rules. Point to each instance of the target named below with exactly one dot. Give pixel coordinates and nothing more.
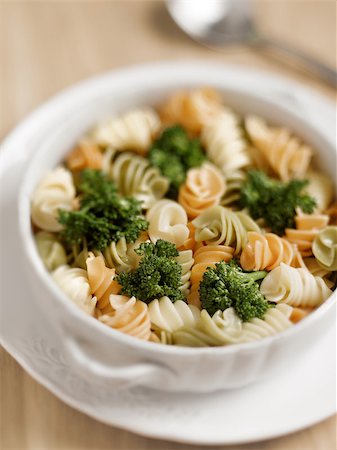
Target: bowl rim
(73, 310)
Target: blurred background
(46, 46)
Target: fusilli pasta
(266, 252)
(185, 260)
(275, 320)
(135, 177)
(168, 316)
(320, 187)
(129, 316)
(101, 280)
(86, 155)
(191, 109)
(224, 143)
(203, 188)
(225, 328)
(324, 248)
(296, 287)
(205, 257)
(227, 149)
(307, 227)
(75, 284)
(219, 225)
(332, 213)
(168, 221)
(287, 156)
(299, 314)
(56, 191)
(50, 250)
(134, 131)
(122, 256)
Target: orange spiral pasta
(298, 314)
(307, 227)
(206, 256)
(203, 188)
(101, 281)
(266, 252)
(332, 213)
(287, 156)
(86, 155)
(130, 316)
(191, 109)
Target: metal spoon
(221, 22)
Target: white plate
(300, 396)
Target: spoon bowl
(223, 22)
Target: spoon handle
(326, 73)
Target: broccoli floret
(226, 285)
(275, 201)
(174, 153)
(158, 273)
(104, 216)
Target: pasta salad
(189, 224)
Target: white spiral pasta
(224, 143)
(134, 131)
(296, 287)
(56, 191)
(162, 337)
(135, 177)
(287, 156)
(75, 284)
(226, 147)
(320, 187)
(219, 225)
(168, 316)
(168, 221)
(122, 256)
(50, 250)
(185, 260)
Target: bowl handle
(145, 373)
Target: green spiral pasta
(324, 248)
(50, 250)
(219, 225)
(118, 255)
(186, 261)
(135, 177)
(225, 328)
(168, 316)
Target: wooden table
(46, 46)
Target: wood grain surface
(45, 47)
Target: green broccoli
(275, 201)
(226, 285)
(103, 217)
(174, 153)
(158, 273)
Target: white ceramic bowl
(121, 360)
